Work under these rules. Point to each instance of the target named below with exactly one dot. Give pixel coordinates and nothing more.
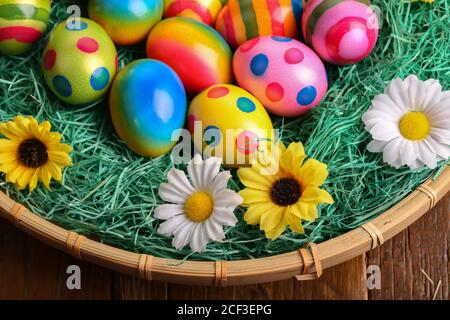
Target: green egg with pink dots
(79, 61)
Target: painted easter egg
(79, 61)
(242, 20)
(147, 105)
(228, 122)
(284, 74)
(22, 23)
(197, 52)
(204, 11)
(126, 21)
(340, 31)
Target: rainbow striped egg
(204, 11)
(148, 107)
(127, 22)
(197, 52)
(22, 23)
(340, 31)
(242, 20)
(284, 74)
(79, 61)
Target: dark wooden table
(32, 270)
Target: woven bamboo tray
(305, 264)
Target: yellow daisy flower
(286, 196)
(30, 152)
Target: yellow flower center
(199, 206)
(415, 126)
(32, 153)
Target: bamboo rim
(305, 264)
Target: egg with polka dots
(79, 61)
(286, 76)
(226, 121)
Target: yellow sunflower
(286, 196)
(31, 152)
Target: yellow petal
(255, 212)
(54, 170)
(45, 177)
(6, 157)
(61, 159)
(46, 126)
(25, 178)
(14, 175)
(65, 148)
(305, 211)
(313, 172)
(251, 178)
(278, 230)
(252, 196)
(295, 223)
(316, 195)
(272, 218)
(293, 158)
(33, 182)
(8, 166)
(8, 146)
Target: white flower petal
(409, 152)
(182, 235)
(224, 216)
(391, 153)
(441, 135)
(198, 239)
(376, 146)
(385, 104)
(433, 95)
(385, 131)
(214, 230)
(168, 227)
(178, 180)
(220, 182)
(440, 149)
(398, 92)
(211, 168)
(167, 211)
(427, 156)
(227, 198)
(168, 193)
(195, 171)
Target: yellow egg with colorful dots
(227, 121)
(79, 61)
(22, 23)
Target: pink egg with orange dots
(286, 76)
(341, 32)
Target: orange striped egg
(242, 20)
(205, 11)
(22, 23)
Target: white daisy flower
(200, 207)
(410, 123)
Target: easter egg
(242, 20)
(227, 121)
(126, 21)
(22, 23)
(340, 31)
(204, 11)
(286, 76)
(79, 61)
(197, 52)
(147, 105)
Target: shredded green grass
(110, 193)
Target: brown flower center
(32, 153)
(285, 192)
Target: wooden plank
(422, 247)
(132, 288)
(263, 291)
(347, 281)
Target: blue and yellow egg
(22, 23)
(148, 106)
(126, 21)
(79, 61)
(228, 122)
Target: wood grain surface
(412, 265)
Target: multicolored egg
(204, 11)
(148, 104)
(340, 31)
(127, 21)
(228, 122)
(79, 61)
(284, 74)
(197, 52)
(22, 23)
(242, 20)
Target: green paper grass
(109, 194)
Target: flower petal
(8, 146)
(62, 159)
(169, 194)
(316, 195)
(295, 223)
(271, 219)
(214, 230)
(167, 211)
(251, 178)
(211, 168)
(252, 196)
(168, 227)
(220, 182)
(274, 233)
(313, 172)
(195, 172)
(376, 146)
(224, 216)
(256, 211)
(228, 199)
(198, 239)
(178, 181)
(182, 235)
